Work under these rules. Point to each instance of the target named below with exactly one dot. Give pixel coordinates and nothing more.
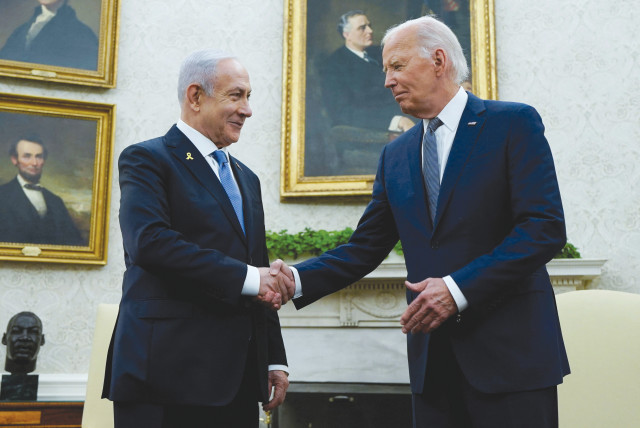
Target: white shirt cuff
(296, 276)
(281, 367)
(457, 295)
(251, 285)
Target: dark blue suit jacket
(183, 330)
(499, 221)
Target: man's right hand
(277, 285)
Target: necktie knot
(220, 157)
(434, 124)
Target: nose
(245, 109)
(389, 81)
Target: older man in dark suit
(192, 347)
(471, 192)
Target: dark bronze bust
(23, 339)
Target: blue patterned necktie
(230, 186)
(431, 165)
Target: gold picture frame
(79, 45)
(310, 27)
(75, 138)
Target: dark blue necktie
(431, 166)
(229, 184)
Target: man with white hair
(472, 194)
(193, 347)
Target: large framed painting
(69, 41)
(55, 179)
(336, 113)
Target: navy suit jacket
(499, 221)
(183, 329)
(20, 222)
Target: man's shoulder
(158, 143)
(499, 106)
(9, 186)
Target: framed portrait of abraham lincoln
(55, 179)
(69, 41)
(336, 113)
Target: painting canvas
(54, 179)
(337, 114)
(72, 41)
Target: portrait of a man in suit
(353, 82)
(53, 35)
(29, 212)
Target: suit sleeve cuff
(296, 276)
(251, 285)
(457, 295)
(281, 367)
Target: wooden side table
(50, 414)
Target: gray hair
(200, 68)
(344, 24)
(431, 35)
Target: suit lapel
(471, 124)
(189, 156)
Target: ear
(194, 94)
(14, 160)
(4, 338)
(440, 61)
(42, 341)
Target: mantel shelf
(378, 300)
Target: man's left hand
(433, 306)
(278, 383)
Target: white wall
(575, 61)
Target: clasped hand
(433, 306)
(277, 285)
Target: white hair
(199, 68)
(432, 34)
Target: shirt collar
(204, 145)
(452, 112)
(22, 181)
(45, 14)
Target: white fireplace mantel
(379, 299)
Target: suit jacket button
(435, 245)
(458, 318)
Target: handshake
(277, 285)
